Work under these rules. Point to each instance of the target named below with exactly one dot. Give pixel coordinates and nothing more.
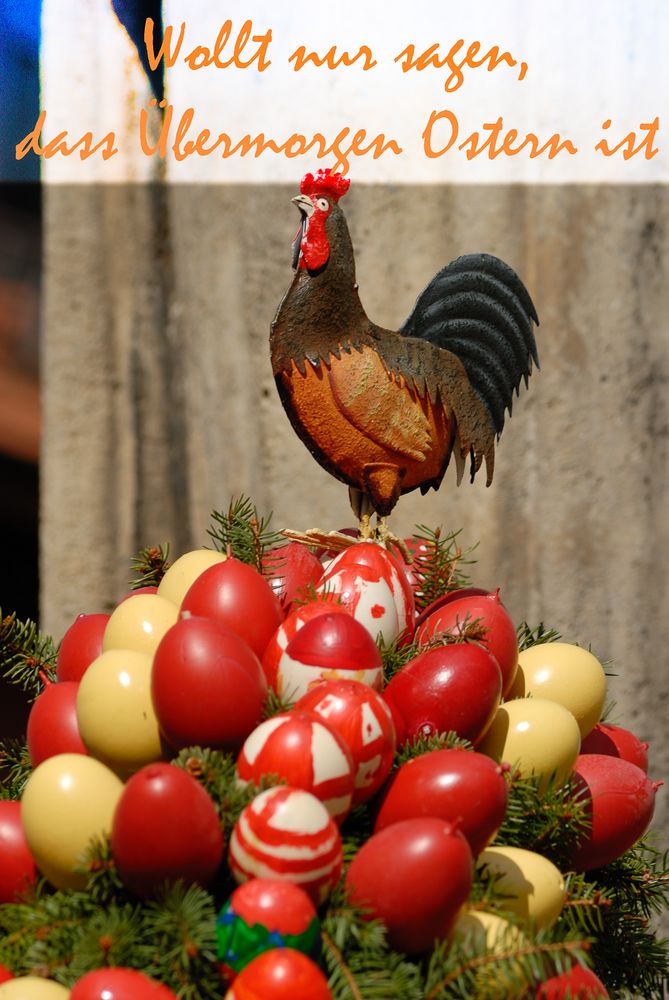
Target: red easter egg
(329, 647)
(208, 687)
(17, 865)
(290, 570)
(306, 753)
(576, 984)
(363, 720)
(614, 741)
(288, 629)
(286, 833)
(279, 906)
(621, 802)
(165, 828)
(280, 974)
(5, 974)
(414, 876)
(372, 585)
(236, 595)
(82, 643)
(52, 723)
(453, 785)
(139, 590)
(119, 984)
(447, 688)
(463, 607)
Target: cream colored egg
(538, 736)
(494, 934)
(33, 988)
(139, 623)
(534, 887)
(115, 711)
(68, 800)
(185, 571)
(564, 673)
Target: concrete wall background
(159, 403)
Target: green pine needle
(534, 636)
(439, 569)
(15, 768)
(150, 565)
(419, 745)
(242, 533)
(25, 653)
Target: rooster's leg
(386, 537)
(363, 509)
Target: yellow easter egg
(33, 988)
(68, 800)
(538, 736)
(139, 623)
(185, 571)
(491, 933)
(564, 673)
(534, 887)
(115, 711)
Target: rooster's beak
(304, 204)
(306, 208)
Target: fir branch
(275, 704)
(150, 565)
(439, 567)
(15, 768)
(549, 820)
(419, 745)
(242, 533)
(25, 653)
(534, 636)
(103, 880)
(398, 653)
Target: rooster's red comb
(325, 182)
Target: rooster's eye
(323, 204)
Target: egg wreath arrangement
(277, 772)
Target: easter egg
(281, 974)
(290, 571)
(538, 736)
(263, 914)
(452, 785)
(289, 628)
(288, 834)
(328, 647)
(306, 753)
(414, 876)
(207, 685)
(119, 984)
(33, 988)
(492, 934)
(165, 829)
(575, 984)
(454, 687)
(363, 720)
(456, 610)
(68, 800)
(614, 741)
(620, 801)
(115, 712)
(5, 974)
(81, 644)
(236, 595)
(139, 622)
(184, 571)
(534, 888)
(374, 589)
(17, 865)
(52, 723)
(567, 674)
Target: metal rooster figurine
(384, 410)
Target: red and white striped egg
(373, 587)
(289, 628)
(286, 833)
(364, 721)
(306, 753)
(329, 647)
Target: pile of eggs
(190, 663)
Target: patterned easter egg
(288, 834)
(289, 629)
(263, 914)
(371, 584)
(329, 647)
(363, 720)
(307, 754)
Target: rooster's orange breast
(368, 426)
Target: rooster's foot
(384, 536)
(333, 541)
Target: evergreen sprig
(15, 768)
(243, 533)
(438, 564)
(398, 653)
(150, 565)
(418, 745)
(529, 635)
(25, 654)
